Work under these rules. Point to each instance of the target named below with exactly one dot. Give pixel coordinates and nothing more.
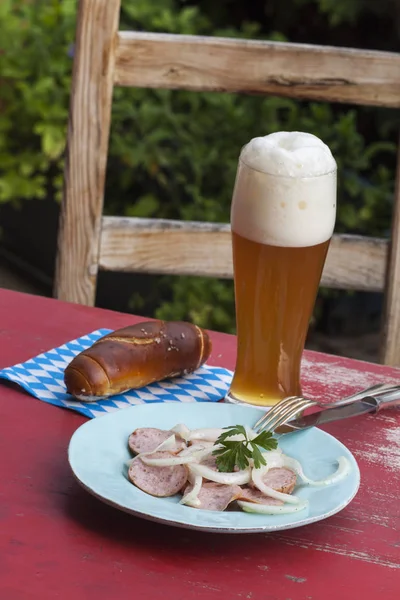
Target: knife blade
(327, 415)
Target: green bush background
(173, 154)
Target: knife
(344, 410)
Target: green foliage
(174, 154)
(209, 303)
(348, 11)
(34, 89)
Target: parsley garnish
(238, 453)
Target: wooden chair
(105, 57)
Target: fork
(288, 408)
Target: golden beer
(281, 229)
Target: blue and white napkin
(43, 377)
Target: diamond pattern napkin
(43, 377)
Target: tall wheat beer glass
(282, 217)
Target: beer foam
(289, 153)
(285, 190)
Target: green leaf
(225, 461)
(258, 457)
(230, 453)
(231, 431)
(265, 440)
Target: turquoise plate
(98, 451)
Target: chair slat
(191, 248)
(197, 63)
(87, 147)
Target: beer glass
(282, 218)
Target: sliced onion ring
(167, 462)
(265, 509)
(209, 434)
(185, 457)
(201, 450)
(341, 472)
(182, 431)
(274, 458)
(238, 478)
(191, 498)
(165, 445)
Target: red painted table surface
(57, 541)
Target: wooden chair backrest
(105, 56)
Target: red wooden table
(57, 541)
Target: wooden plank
(391, 322)
(164, 246)
(235, 65)
(356, 262)
(88, 131)
(190, 248)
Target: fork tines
(282, 412)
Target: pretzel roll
(136, 356)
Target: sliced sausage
(216, 496)
(158, 481)
(280, 479)
(250, 494)
(147, 439)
